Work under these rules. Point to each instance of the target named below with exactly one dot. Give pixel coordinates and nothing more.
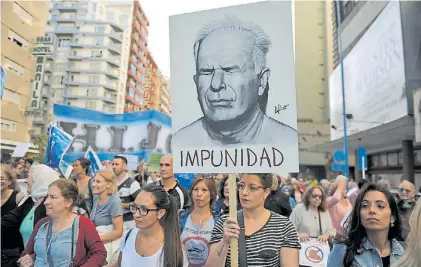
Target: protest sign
(153, 162)
(314, 254)
(238, 79)
(20, 150)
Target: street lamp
(344, 114)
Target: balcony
(104, 98)
(109, 72)
(108, 85)
(66, 6)
(114, 61)
(133, 101)
(113, 48)
(64, 30)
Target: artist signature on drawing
(279, 108)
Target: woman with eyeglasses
(311, 219)
(372, 231)
(107, 211)
(197, 223)
(9, 197)
(270, 238)
(63, 239)
(155, 241)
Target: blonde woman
(412, 256)
(107, 211)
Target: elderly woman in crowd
(18, 224)
(372, 231)
(311, 218)
(63, 238)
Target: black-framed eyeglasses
(142, 210)
(316, 196)
(251, 188)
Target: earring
(392, 224)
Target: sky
(158, 12)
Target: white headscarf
(42, 177)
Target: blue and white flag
(95, 162)
(2, 81)
(58, 143)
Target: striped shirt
(128, 189)
(263, 246)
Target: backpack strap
(127, 236)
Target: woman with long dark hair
(372, 231)
(84, 183)
(155, 241)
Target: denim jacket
(369, 257)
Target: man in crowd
(128, 189)
(406, 204)
(171, 185)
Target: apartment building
(311, 85)
(136, 78)
(157, 88)
(21, 23)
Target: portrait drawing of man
(232, 83)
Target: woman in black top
(9, 197)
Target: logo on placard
(197, 249)
(314, 254)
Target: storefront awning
(384, 137)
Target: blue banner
(138, 133)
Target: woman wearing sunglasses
(311, 219)
(155, 241)
(270, 239)
(197, 223)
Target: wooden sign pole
(232, 185)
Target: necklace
(144, 252)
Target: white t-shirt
(130, 257)
(195, 240)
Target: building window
(99, 41)
(58, 79)
(63, 42)
(100, 29)
(22, 14)
(90, 104)
(94, 79)
(13, 66)
(11, 96)
(8, 126)
(17, 39)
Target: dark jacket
(11, 222)
(278, 202)
(221, 208)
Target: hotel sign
(43, 45)
(38, 82)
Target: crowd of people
(119, 218)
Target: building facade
(135, 89)
(311, 85)
(21, 23)
(157, 88)
(380, 50)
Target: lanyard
(48, 242)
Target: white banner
(374, 76)
(233, 83)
